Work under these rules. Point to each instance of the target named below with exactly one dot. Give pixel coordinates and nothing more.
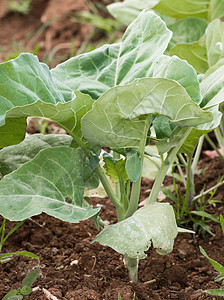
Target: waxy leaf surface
(128, 10)
(188, 30)
(12, 157)
(52, 182)
(27, 89)
(207, 51)
(113, 123)
(144, 41)
(207, 9)
(154, 223)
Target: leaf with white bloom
(12, 157)
(127, 11)
(27, 89)
(207, 51)
(176, 69)
(194, 53)
(113, 123)
(144, 41)
(52, 182)
(195, 29)
(206, 9)
(154, 223)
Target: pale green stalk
(182, 159)
(117, 185)
(132, 263)
(135, 192)
(197, 153)
(190, 180)
(164, 168)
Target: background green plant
(25, 290)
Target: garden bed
(73, 268)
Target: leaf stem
(164, 168)
(100, 173)
(117, 185)
(190, 181)
(135, 191)
(132, 266)
(108, 188)
(197, 154)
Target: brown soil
(71, 267)
(48, 25)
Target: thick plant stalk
(134, 199)
(132, 266)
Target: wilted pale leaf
(154, 223)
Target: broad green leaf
(217, 9)
(52, 182)
(133, 165)
(212, 88)
(215, 41)
(30, 278)
(113, 123)
(189, 8)
(188, 30)
(12, 157)
(23, 79)
(194, 53)
(207, 9)
(115, 169)
(164, 128)
(213, 68)
(154, 223)
(27, 89)
(144, 41)
(176, 69)
(67, 115)
(214, 263)
(206, 52)
(128, 10)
